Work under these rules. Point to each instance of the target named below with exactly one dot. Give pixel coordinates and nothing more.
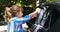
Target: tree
(22, 3)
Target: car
(52, 21)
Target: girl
(16, 21)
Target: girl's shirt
(15, 24)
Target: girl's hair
(14, 9)
(11, 11)
(7, 14)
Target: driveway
(3, 28)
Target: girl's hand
(38, 10)
(35, 13)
